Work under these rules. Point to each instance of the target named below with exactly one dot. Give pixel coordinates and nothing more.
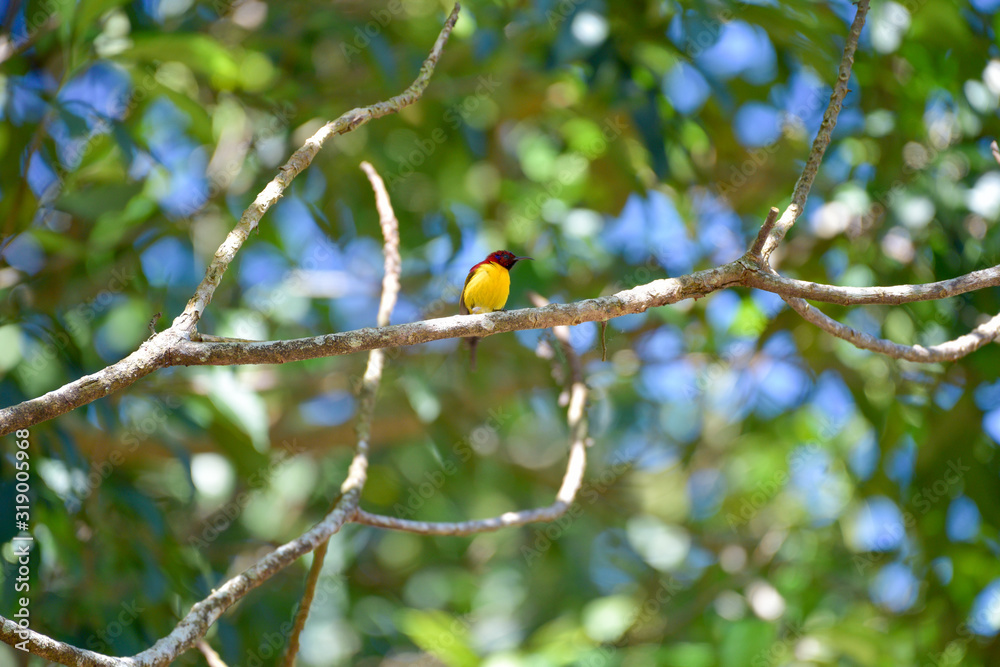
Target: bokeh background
(759, 492)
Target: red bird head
(505, 258)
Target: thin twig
(157, 352)
(211, 657)
(302, 613)
(369, 386)
(151, 325)
(203, 614)
(804, 184)
(765, 230)
(765, 277)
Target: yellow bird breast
(487, 290)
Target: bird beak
(518, 259)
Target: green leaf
(88, 11)
(446, 636)
(95, 202)
(749, 320)
(199, 52)
(243, 406)
(10, 347)
(749, 642)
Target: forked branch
(572, 478)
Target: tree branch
(635, 300)
(211, 657)
(180, 345)
(299, 161)
(203, 614)
(369, 386)
(572, 479)
(949, 351)
(156, 352)
(169, 349)
(757, 248)
(822, 140)
(857, 296)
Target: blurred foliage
(759, 493)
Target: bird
(486, 289)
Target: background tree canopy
(760, 493)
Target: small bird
(486, 289)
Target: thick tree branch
(369, 385)
(169, 349)
(572, 479)
(635, 300)
(822, 140)
(859, 296)
(89, 388)
(299, 161)
(56, 651)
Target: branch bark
(822, 140)
(572, 478)
(170, 349)
(858, 296)
(300, 160)
(948, 351)
(369, 386)
(202, 615)
(181, 344)
(156, 352)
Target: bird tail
(472, 352)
